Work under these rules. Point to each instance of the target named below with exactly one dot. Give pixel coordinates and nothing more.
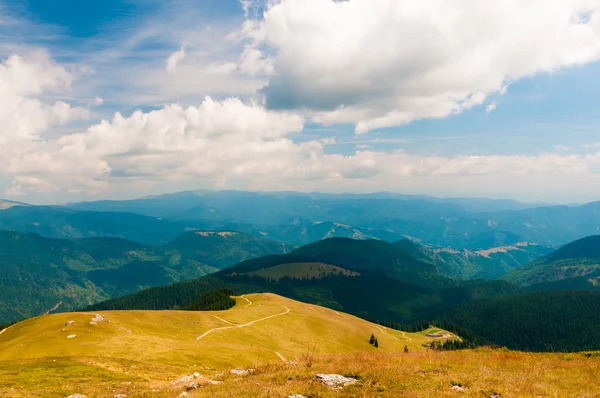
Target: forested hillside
(536, 321)
(382, 283)
(59, 274)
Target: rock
(72, 336)
(183, 394)
(192, 386)
(98, 318)
(77, 396)
(297, 396)
(186, 379)
(212, 382)
(334, 381)
(241, 372)
(120, 396)
(459, 388)
(93, 323)
(69, 323)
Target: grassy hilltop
(141, 353)
(153, 348)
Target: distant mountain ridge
(83, 271)
(466, 264)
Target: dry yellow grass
(140, 353)
(424, 374)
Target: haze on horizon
(448, 99)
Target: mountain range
(299, 218)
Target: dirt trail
(287, 310)
(53, 308)
(249, 302)
(3, 330)
(223, 320)
(391, 335)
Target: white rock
(241, 372)
(69, 323)
(120, 396)
(297, 396)
(336, 381)
(77, 396)
(212, 382)
(459, 388)
(183, 394)
(186, 379)
(93, 323)
(72, 336)
(98, 318)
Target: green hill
(574, 266)
(373, 279)
(466, 264)
(68, 274)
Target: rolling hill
(75, 273)
(466, 264)
(574, 266)
(264, 346)
(140, 351)
(374, 280)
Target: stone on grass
(459, 388)
(297, 396)
(334, 381)
(72, 336)
(77, 396)
(186, 379)
(241, 372)
(120, 396)
(183, 394)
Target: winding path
(391, 335)
(249, 302)
(287, 310)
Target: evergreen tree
(372, 339)
(376, 344)
(405, 348)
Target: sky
(119, 99)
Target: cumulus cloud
(98, 101)
(174, 60)
(379, 63)
(220, 142)
(24, 116)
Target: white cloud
(174, 60)
(230, 143)
(379, 63)
(491, 107)
(24, 116)
(98, 101)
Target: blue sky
(498, 110)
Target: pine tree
(405, 348)
(376, 344)
(372, 339)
